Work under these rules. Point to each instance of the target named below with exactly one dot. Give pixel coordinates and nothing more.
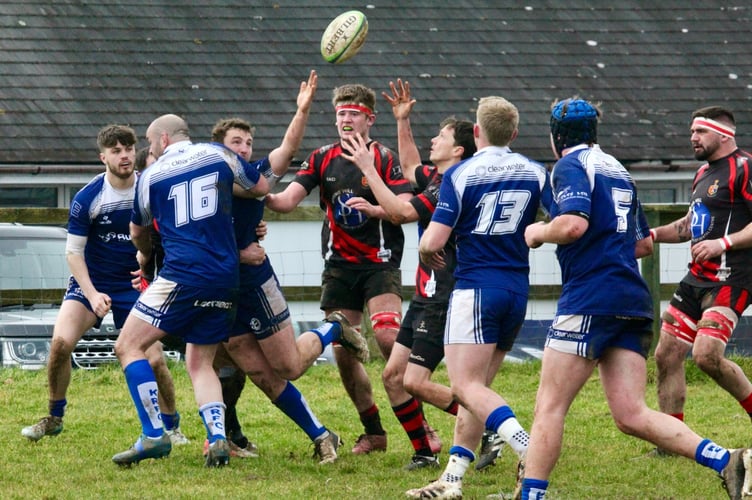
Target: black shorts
(694, 300)
(350, 289)
(422, 331)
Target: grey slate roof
(68, 67)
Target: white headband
(718, 127)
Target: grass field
(597, 462)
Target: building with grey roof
(68, 67)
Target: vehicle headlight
(26, 353)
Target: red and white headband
(354, 107)
(715, 126)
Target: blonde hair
(498, 119)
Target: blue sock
(328, 333)
(143, 388)
(498, 417)
(293, 404)
(534, 489)
(711, 455)
(171, 421)
(57, 407)
(461, 451)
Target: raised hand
(400, 100)
(307, 91)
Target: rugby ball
(344, 36)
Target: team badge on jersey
(305, 167)
(344, 215)
(713, 189)
(701, 219)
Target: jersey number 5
(622, 204)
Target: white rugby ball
(344, 36)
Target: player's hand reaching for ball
(400, 100)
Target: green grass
(597, 462)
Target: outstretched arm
(281, 156)
(674, 232)
(402, 104)
(287, 200)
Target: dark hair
(222, 126)
(110, 135)
(714, 113)
(463, 134)
(141, 156)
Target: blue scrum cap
(573, 122)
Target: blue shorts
(196, 315)
(590, 336)
(262, 310)
(485, 316)
(122, 300)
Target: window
(28, 197)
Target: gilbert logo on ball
(344, 36)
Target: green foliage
(597, 460)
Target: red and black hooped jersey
(721, 204)
(433, 285)
(348, 237)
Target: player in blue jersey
(604, 314)
(102, 260)
(188, 191)
(419, 346)
(711, 298)
(486, 201)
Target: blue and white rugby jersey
(102, 214)
(489, 200)
(247, 214)
(188, 190)
(599, 271)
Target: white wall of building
(295, 251)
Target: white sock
(455, 469)
(512, 432)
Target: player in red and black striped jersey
(349, 237)
(361, 254)
(721, 206)
(711, 298)
(420, 343)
